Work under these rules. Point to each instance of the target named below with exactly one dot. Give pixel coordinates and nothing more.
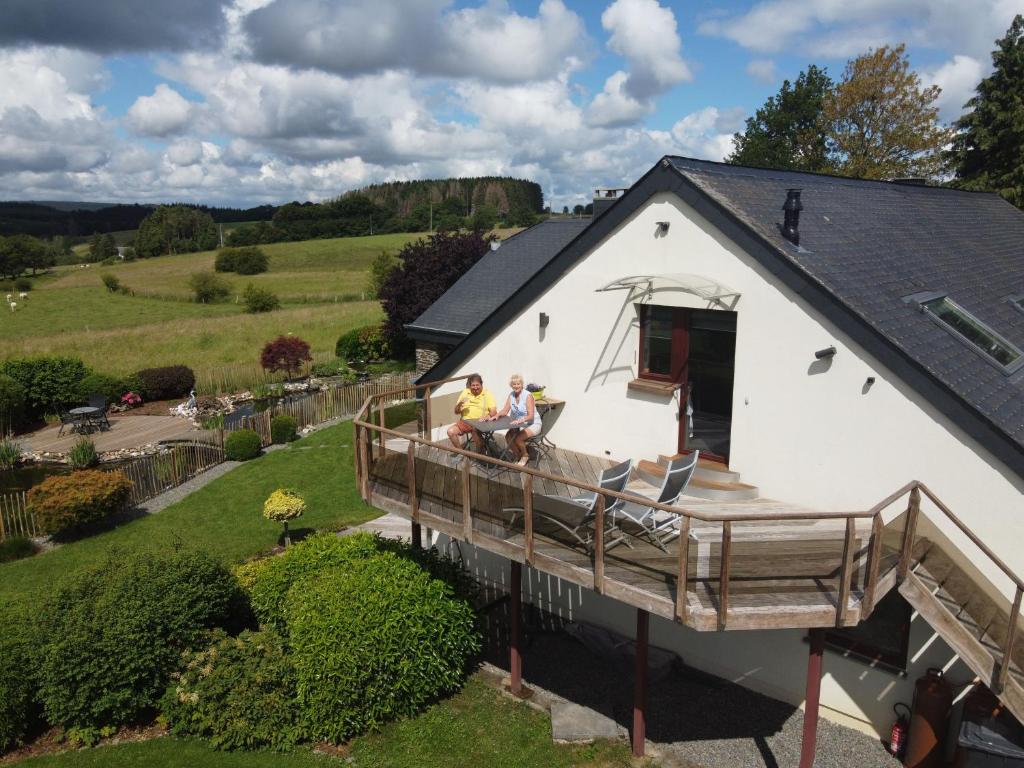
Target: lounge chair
(575, 514)
(657, 526)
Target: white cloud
(762, 70)
(162, 114)
(707, 133)
(615, 107)
(958, 79)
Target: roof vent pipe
(791, 225)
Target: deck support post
(515, 662)
(640, 685)
(417, 536)
(817, 638)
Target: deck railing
(371, 434)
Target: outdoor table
(88, 416)
(487, 430)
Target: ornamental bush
(372, 641)
(101, 384)
(283, 428)
(366, 343)
(64, 503)
(259, 300)
(285, 353)
(13, 411)
(242, 445)
(49, 382)
(247, 260)
(268, 581)
(164, 383)
(239, 693)
(114, 633)
(336, 367)
(17, 684)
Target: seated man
(474, 402)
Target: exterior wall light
(544, 319)
(662, 227)
(828, 352)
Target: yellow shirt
(476, 407)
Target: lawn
(224, 517)
(477, 727)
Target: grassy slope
(224, 518)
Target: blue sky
(241, 102)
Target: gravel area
(694, 719)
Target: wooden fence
(152, 475)
(235, 377)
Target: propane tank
(898, 734)
(933, 697)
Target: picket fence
(236, 377)
(154, 474)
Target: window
(662, 343)
(972, 330)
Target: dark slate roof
(865, 247)
(491, 281)
(871, 244)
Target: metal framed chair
(100, 402)
(540, 443)
(656, 525)
(69, 420)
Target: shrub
(239, 693)
(247, 260)
(101, 384)
(373, 641)
(17, 686)
(83, 454)
(259, 300)
(268, 581)
(165, 383)
(65, 502)
(23, 284)
(337, 367)
(115, 632)
(48, 382)
(208, 287)
(366, 343)
(16, 548)
(10, 452)
(284, 505)
(12, 403)
(285, 353)
(242, 445)
(111, 282)
(380, 268)
(283, 428)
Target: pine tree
(989, 146)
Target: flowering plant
(131, 399)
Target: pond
(259, 406)
(24, 477)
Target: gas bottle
(933, 697)
(900, 729)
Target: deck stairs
(959, 607)
(711, 480)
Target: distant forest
(41, 220)
(403, 206)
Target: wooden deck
(779, 571)
(126, 432)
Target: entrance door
(706, 396)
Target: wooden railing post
(909, 531)
(599, 545)
(528, 517)
(845, 572)
(682, 605)
(874, 556)
(467, 519)
(427, 426)
(723, 579)
(380, 434)
(364, 460)
(414, 507)
(1011, 635)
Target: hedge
(63, 503)
(48, 382)
(242, 445)
(165, 383)
(115, 632)
(366, 343)
(18, 711)
(246, 260)
(373, 641)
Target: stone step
(707, 469)
(653, 473)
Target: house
(824, 340)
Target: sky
(245, 102)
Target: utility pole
(431, 215)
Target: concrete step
(707, 469)
(653, 473)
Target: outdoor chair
(575, 514)
(539, 443)
(99, 401)
(657, 526)
(69, 420)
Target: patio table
(487, 430)
(88, 416)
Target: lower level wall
(771, 662)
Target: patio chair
(575, 514)
(656, 525)
(69, 420)
(99, 401)
(539, 443)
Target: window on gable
(973, 330)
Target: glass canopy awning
(698, 285)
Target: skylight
(970, 328)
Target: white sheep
(8, 298)
(14, 306)
(22, 295)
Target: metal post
(640, 685)
(817, 638)
(516, 606)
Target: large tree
(175, 229)
(785, 132)
(428, 268)
(988, 149)
(880, 123)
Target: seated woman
(519, 405)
